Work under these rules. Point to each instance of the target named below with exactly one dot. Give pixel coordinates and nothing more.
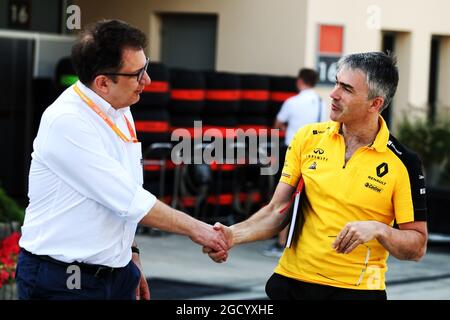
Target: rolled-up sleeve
(142, 203)
(74, 151)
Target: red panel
(188, 94)
(151, 126)
(331, 39)
(157, 86)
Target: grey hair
(380, 70)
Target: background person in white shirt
(85, 182)
(304, 108)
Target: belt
(97, 270)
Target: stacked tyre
(222, 99)
(254, 102)
(255, 96)
(152, 122)
(159, 177)
(221, 196)
(150, 112)
(187, 100)
(220, 116)
(220, 119)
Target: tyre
(254, 95)
(187, 95)
(157, 94)
(151, 126)
(222, 93)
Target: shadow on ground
(168, 289)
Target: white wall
(261, 36)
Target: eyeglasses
(363, 270)
(139, 74)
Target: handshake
(216, 241)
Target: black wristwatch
(135, 250)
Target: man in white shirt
(304, 108)
(85, 182)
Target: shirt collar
(307, 90)
(381, 140)
(334, 128)
(102, 103)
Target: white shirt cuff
(142, 203)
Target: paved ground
(173, 257)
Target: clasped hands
(226, 234)
(352, 235)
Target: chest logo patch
(318, 151)
(382, 169)
(372, 187)
(313, 166)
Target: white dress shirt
(85, 184)
(302, 109)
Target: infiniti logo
(319, 151)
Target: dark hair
(309, 76)
(99, 48)
(380, 70)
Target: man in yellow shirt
(358, 180)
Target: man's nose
(147, 79)
(334, 94)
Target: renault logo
(382, 169)
(319, 151)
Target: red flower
(7, 261)
(9, 250)
(11, 243)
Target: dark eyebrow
(138, 70)
(345, 85)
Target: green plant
(431, 140)
(9, 210)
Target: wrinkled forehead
(352, 76)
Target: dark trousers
(39, 278)
(279, 287)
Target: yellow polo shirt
(382, 182)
